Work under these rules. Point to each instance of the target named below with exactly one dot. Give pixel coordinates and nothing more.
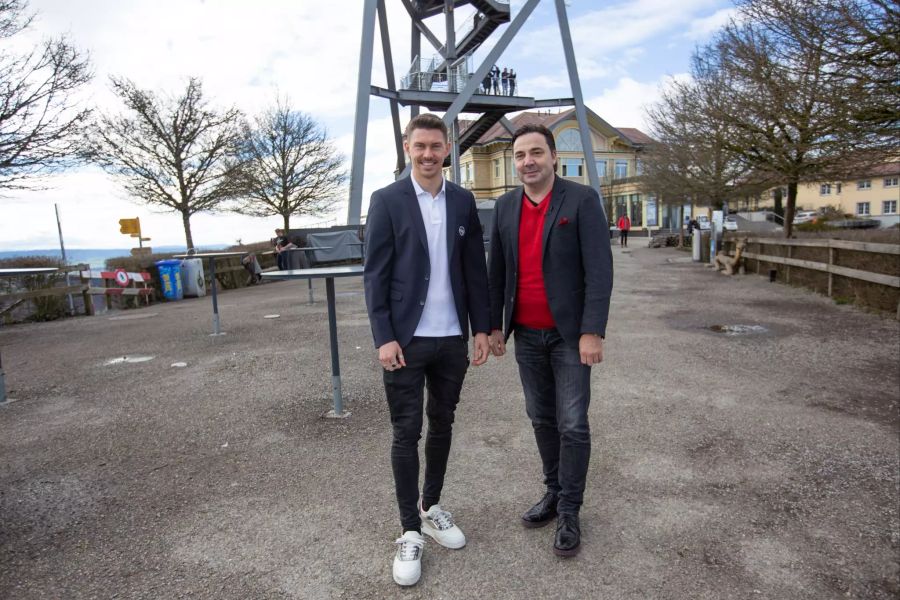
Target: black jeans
(623, 238)
(439, 364)
(557, 395)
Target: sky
(250, 53)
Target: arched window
(569, 141)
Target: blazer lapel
(415, 213)
(514, 226)
(452, 219)
(556, 200)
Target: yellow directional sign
(132, 226)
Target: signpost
(132, 227)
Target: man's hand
(390, 356)
(498, 346)
(481, 349)
(590, 346)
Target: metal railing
(423, 75)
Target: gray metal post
(215, 299)
(415, 48)
(392, 84)
(2, 383)
(311, 299)
(335, 360)
(62, 248)
(580, 112)
(360, 126)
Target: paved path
(762, 465)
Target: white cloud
(704, 27)
(624, 104)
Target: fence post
(86, 291)
(787, 269)
(830, 264)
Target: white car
(703, 221)
(805, 216)
(730, 223)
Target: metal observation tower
(448, 82)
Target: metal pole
(360, 126)
(311, 299)
(335, 359)
(62, 248)
(215, 299)
(580, 112)
(2, 383)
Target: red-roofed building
(488, 169)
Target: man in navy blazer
(550, 283)
(426, 282)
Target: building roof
(499, 133)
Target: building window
(468, 176)
(512, 168)
(825, 189)
(569, 141)
(889, 207)
(601, 168)
(862, 208)
(637, 211)
(864, 184)
(621, 169)
(638, 167)
(652, 214)
(497, 168)
(572, 167)
(891, 181)
(621, 206)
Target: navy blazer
(398, 267)
(576, 260)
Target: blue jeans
(439, 365)
(557, 395)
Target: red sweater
(531, 307)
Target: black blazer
(398, 268)
(576, 259)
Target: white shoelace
(409, 549)
(442, 518)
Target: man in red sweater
(550, 276)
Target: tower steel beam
(580, 113)
(361, 124)
(392, 85)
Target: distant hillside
(95, 257)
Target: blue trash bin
(170, 279)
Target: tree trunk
(287, 223)
(188, 238)
(789, 209)
(681, 227)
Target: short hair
(533, 128)
(426, 121)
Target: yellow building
(873, 193)
(488, 168)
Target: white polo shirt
(439, 317)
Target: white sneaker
(408, 560)
(438, 524)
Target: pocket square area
(563, 221)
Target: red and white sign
(122, 277)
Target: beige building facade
(873, 193)
(489, 171)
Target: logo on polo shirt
(462, 231)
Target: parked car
(703, 221)
(805, 216)
(731, 223)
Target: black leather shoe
(541, 513)
(568, 536)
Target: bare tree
(173, 152)
(40, 122)
(288, 166)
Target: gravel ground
(761, 464)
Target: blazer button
(421, 303)
(426, 278)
